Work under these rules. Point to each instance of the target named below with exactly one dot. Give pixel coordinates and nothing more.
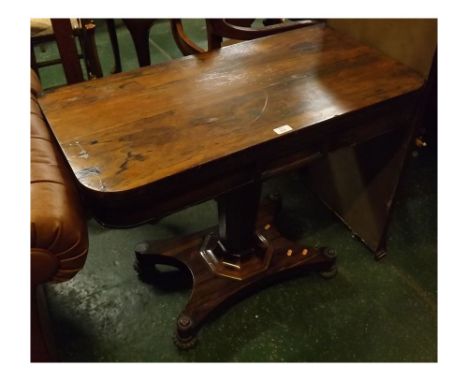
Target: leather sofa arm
(59, 236)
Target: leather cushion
(36, 87)
(59, 238)
(38, 127)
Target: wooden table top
(129, 130)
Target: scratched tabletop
(128, 130)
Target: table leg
(244, 253)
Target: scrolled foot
(146, 272)
(144, 266)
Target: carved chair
(218, 30)
(64, 32)
(139, 31)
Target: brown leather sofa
(59, 236)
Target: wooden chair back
(235, 29)
(64, 32)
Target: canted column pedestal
(244, 253)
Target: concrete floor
(371, 311)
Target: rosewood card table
(145, 143)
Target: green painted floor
(371, 311)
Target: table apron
(272, 158)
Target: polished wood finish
(361, 192)
(63, 33)
(234, 29)
(220, 280)
(358, 183)
(212, 116)
(158, 139)
(237, 211)
(241, 29)
(139, 30)
(182, 40)
(89, 48)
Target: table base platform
(221, 278)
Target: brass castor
(185, 338)
(330, 253)
(185, 343)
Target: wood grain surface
(133, 129)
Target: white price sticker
(282, 129)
